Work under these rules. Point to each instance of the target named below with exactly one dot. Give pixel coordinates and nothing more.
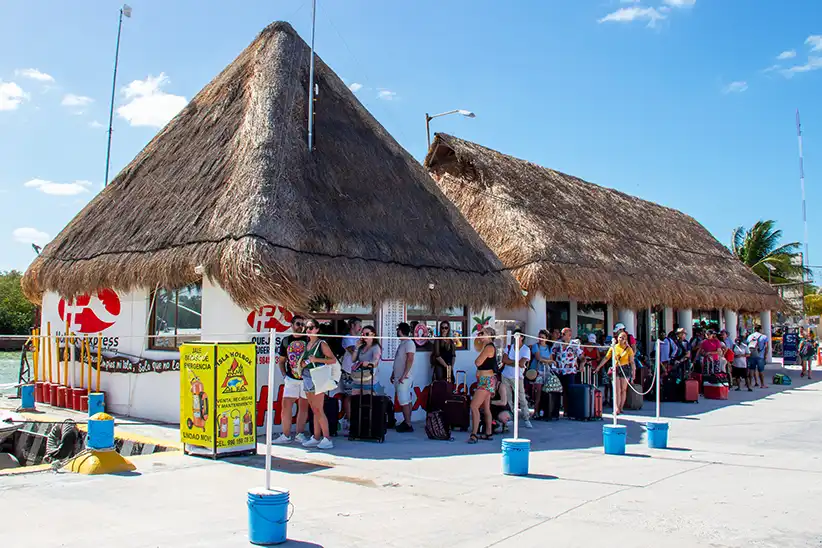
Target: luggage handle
(457, 381)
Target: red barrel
(62, 396)
(84, 403)
(38, 392)
(53, 394)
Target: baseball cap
(619, 327)
(592, 338)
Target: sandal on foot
(473, 439)
(486, 437)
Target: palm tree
(760, 245)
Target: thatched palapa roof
(568, 238)
(229, 184)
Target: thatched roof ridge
(566, 237)
(229, 184)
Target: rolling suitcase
(440, 391)
(690, 391)
(634, 399)
(457, 408)
(585, 400)
(331, 406)
(369, 417)
(549, 405)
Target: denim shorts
(308, 383)
(756, 364)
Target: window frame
(438, 318)
(152, 319)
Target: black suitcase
(583, 400)
(331, 406)
(369, 417)
(549, 404)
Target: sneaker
(300, 438)
(404, 427)
(527, 424)
(325, 444)
(311, 443)
(738, 388)
(282, 440)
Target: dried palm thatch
(568, 238)
(229, 184)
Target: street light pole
(466, 113)
(125, 10)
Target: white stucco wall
(155, 396)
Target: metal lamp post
(770, 268)
(124, 11)
(466, 113)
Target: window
(592, 318)
(457, 317)
(175, 317)
(558, 314)
(333, 318)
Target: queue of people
(550, 364)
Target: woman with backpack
(807, 350)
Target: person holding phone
(366, 361)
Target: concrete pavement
(745, 472)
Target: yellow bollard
(35, 339)
(48, 341)
(83, 362)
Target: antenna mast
(805, 260)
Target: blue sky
(689, 103)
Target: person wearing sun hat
(620, 327)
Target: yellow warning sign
(197, 394)
(236, 382)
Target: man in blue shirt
(758, 347)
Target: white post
(71, 369)
(609, 320)
(537, 314)
(613, 378)
(668, 320)
(573, 318)
(269, 421)
(686, 321)
(658, 376)
(628, 317)
(731, 324)
(516, 385)
(765, 321)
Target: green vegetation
(16, 312)
(760, 245)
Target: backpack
(753, 346)
(780, 378)
(436, 428)
(805, 348)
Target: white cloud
(735, 87)
(148, 105)
(772, 68)
(34, 74)
(814, 63)
(71, 100)
(789, 54)
(680, 3)
(815, 42)
(59, 189)
(355, 87)
(11, 95)
(386, 94)
(627, 15)
(95, 124)
(27, 235)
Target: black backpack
(436, 428)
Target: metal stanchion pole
(516, 385)
(269, 422)
(613, 380)
(658, 381)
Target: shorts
(346, 384)
(739, 373)
(403, 391)
(293, 388)
(756, 364)
(487, 383)
(308, 383)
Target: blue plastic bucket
(515, 456)
(100, 432)
(268, 516)
(613, 438)
(96, 403)
(657, 435)
(27, 396)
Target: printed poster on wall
(197, 394)
(236, 387)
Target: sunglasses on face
(310, 327)
(299, 324)
(366, 334)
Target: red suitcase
(457, 408)
(716, 391)
(690, 393)
(698, 378)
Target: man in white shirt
(758, 347)
(401, 375)
(509, 372)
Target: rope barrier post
(269, 421)
(658, 377)
(99, 358)
(613, 379)
(516, 385)
(48, 339)
(66, 352)
(83, 363)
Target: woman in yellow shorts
(626, 369)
